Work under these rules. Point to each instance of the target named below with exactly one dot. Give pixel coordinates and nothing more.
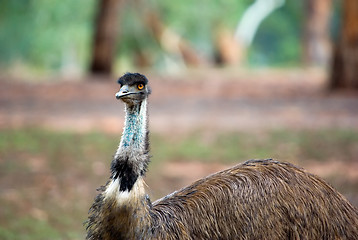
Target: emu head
(134, 88)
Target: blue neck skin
(134, 132)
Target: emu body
(258, 199)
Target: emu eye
(140, 86)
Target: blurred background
(231, 80)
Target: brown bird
(258, 199)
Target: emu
(258, 199)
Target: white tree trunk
(252, 18)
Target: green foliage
(50, 35)
(278, 39)
(196, 21)
(43, 34)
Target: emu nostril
(122, 91)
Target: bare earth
(216, 100)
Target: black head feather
(132, 78)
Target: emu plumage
(258, 199)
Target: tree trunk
(171, 41)
(249, 24)
(228, 50)
(316, 42)
(344, 73)
(105, 37)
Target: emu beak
(124, 91)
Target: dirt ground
(214, 99)
(211, 100)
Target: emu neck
(131, 159)
(135, 128)
(125, 194)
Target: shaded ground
(215, 99)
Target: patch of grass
(43, 180)
(32, 229)
(48, 178)
(287, 145)
(336, 144)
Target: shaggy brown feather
(259, 199)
